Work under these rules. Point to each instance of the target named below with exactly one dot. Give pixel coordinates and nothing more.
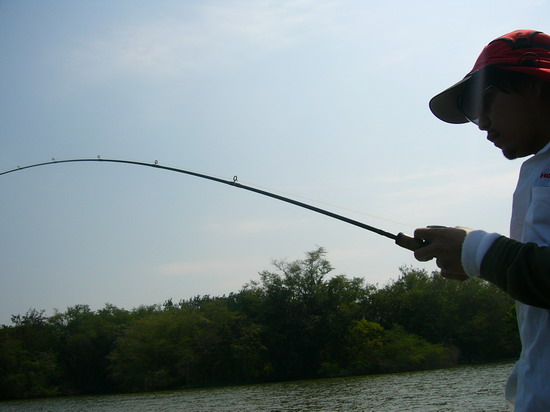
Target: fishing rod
(400, 239)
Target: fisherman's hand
(445, 245)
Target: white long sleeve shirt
(528, 386)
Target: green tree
(473, 317)
(291, 307)
(156, 352)
(344, 303)
(404, 351)
(195, 342)
(28, 359)
(86, 339)
(366, 344)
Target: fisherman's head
(507, 93)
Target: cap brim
(445, 105)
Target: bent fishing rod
(400, 239)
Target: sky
(323, 101)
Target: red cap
(525, 51)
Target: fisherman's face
(515, 122)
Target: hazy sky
(322, 100)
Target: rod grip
(408, 242)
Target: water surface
(472, 388)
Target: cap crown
(526, 51)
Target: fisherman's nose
(483, 122)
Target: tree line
(295, 322)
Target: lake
(469, 388)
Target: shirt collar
(544, 149)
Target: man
(507, 94)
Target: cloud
(248, 227)
(472, 188)
(448, 182)
(212, 267)
(441, 193)
(219, 35)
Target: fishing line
(309, 199)
(400, 239)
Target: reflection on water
(473, 388)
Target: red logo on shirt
(544, 175)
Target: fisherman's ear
(542, 90)
(543, 96)
(538, 88)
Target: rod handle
(408, 242)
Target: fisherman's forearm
(520, 269)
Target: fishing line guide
(400, 239)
